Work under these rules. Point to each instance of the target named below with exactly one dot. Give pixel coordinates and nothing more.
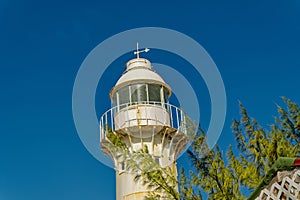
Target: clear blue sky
(255, 44)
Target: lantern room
(140, 98)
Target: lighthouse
(142, 117)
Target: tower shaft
(142, 119)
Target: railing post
(111, 119)
(177, 117)
(102, 131)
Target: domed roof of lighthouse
(139, 70)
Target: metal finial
(137, 52)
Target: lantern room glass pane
(154, 93)
(124, 96)
(166, 98)
(115, 100)
(138, 93)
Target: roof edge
(281, 163)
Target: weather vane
(137, 52)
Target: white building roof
(139, 70)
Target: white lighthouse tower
(141, 116)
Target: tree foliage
(225, 176)
(161, 181)
(256, 150)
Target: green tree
(225, 177)
(257, 150)
(161, 181)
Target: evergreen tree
(257, 150)
(220, 177)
